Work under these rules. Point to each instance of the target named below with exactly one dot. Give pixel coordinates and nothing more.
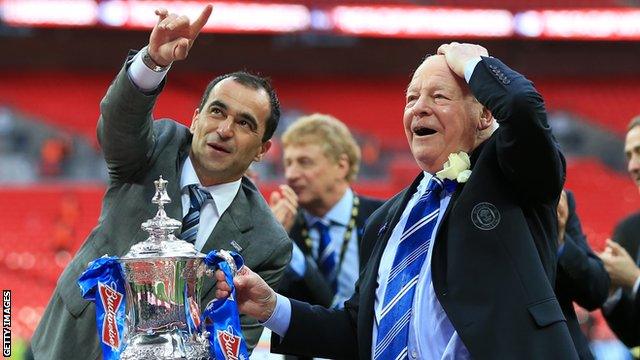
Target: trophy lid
(161, 241)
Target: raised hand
(253, 295)
(458, 54)
(173, 35)
(284, 205)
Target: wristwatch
(148, 61)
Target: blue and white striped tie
(393, 328)
(191, 221)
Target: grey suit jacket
(138, 150)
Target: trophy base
(169, 345)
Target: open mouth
(423, 131)
(220, 148)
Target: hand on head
(284, 205)
(173, 35)
(457, 55)
(621, 267)
(253, 295)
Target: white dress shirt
(222, 194)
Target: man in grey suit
(230, 129)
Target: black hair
(255, 82)
(633, 123)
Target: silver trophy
(164, 277)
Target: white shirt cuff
(143, 77)
(469, 67)
(281, 317)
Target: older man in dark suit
(463, 261)
(230, 129)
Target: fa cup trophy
(148, 301)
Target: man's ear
(194, 119)
(486, 119)
(343, 166)
(263, 150)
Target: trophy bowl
(163, 311)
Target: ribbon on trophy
(103, 283)
(221, 317)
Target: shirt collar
(222, 194)
(340, 213)
(422, 186)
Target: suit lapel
(228, 233)
(235, 221)
(296, 232)
(173, 188)
(456, 194)
(174, 211)
(450, 206)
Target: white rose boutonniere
(456, 168)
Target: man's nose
(291, 172)
(422, 107)
(225, 128)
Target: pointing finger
(200, 21)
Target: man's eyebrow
(219, 104)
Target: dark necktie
(191, 221)
(326, 255)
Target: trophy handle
(233, 259)
(224, 254)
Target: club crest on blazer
(485, 216)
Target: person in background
(581, 276)
(621, 257)
(323, 215)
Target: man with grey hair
(322, 214)
(463, 261)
